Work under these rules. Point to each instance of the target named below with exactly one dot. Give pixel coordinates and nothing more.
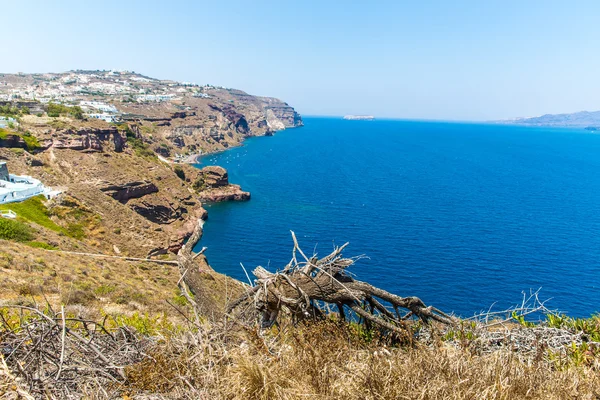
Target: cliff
(212, 185)
(178, 119)
(125, 190)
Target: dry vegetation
(327, 359)
(30, 275)
(75, 352)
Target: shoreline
(195, 158)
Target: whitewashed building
(104, 117)
(18, 188)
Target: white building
(104, 107)
(155, 97)
(104, 117)
(5, 121)
(18, 188)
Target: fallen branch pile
(307, 288)
(57, 356)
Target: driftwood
(308, 288)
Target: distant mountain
(579, 119)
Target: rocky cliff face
(13, 142)
(129, 190)
(212, 185)
(90, 139)
(139, 202)
(282, 111)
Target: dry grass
(329, 361)
(30, 275)
(316, 360)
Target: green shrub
(78, 297)
(56, 110)
(41, 245)
(30, 141)
(140, 148)
(179, 172)
(15, 230)
(9, 110)
(75, 231)
(34, 210)
(103, 290)
(199, 185)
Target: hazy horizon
(473, 62)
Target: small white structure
(104, 107)
(103, 117)
(154, 98)
(10, 214)
(18, 188)
(5, 121)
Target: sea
(468, 217)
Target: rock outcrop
(228, 193)
(212, 185)
(13, 142)
(215, 176)
(88, 139)
(278, 110)
(130, 190)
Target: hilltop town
(183, 118)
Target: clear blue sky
(458, 60)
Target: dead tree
(308, 286)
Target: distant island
(359, 117)
(581, 119)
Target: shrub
(75, 231)
(139, 147)
(41, 245)
(15, 230)
(103, 290)
(56, 110)
(30, 141)
(199, 184)
(179, 172)
(9, 110)
(78, 297)
(34, 210)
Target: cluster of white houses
(18, 188)
(99, 110)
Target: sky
(447, 60)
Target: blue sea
(465, 216)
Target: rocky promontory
(212, 185)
